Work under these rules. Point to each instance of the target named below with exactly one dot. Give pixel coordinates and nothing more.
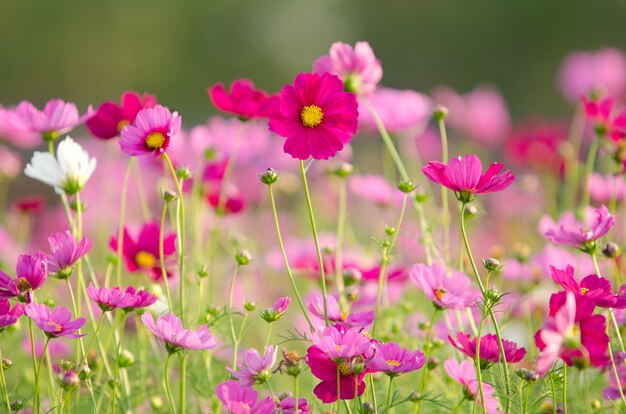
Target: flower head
(110, 118)
(335, 315)
(607, 123)
(340, 342)
(57, 117)
(31, 271)
(256, 369)
(68, 171)
(9, 316)
(464, 176)
(316, 116)
(357, 67)
(65, 251)
(150, 132)
(465, 374)
(444, 291)
(583, 236)
(110, 298)
(243, 100)
(393, 360)
(241, 399)
(593, 287)
(489, 348)
(288, 406)
(169, 329)
(140, 298)
(278, 309)
(56, 322)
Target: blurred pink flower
(489, 348)
(607, 122)
(375, 189)
(169, 329)
(15, 131)
(243, 100)
(57, 118)
(453, 291)
(399, 110)
(604, 188)
(241, 399)
(11, 165)
(110, 118)
(465, 374)
(8, 315)
(256, 369)
(583, 236)
(537, 145)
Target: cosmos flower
(316, 116)
(489, 348)
(65, 252)
(453, 291)
(110, 118)
(401, 111)
(57, 118)
(607, 123)
(351, 383)
(169, 329)
(150, 132)
(583, 236)
(241, 399)
(31, 271)
(278, 309)
(243, 100)
(9, 316)
(110, 298)
(256, 369)
(288, 406)
(604, 188)
(465, 374)
(393, 360)
(56, 322)
(593, 287)
(335, 315)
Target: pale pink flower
(465, 374)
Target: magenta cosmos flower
(465, 374)
(110, 118)
(241, 399)
(170, 330)
(583, 236)
(56, 322)
(357, 67)
(606, 122)
(453, 291)
(593, 287)
(393, 360)
(256, 369)
(141, 298)
(57, 118)
(142, 254)
(31, 271)
(110, 298)
(150, 132)
(335, 315)
(489, 348)
(9, 316)
(243, 100)
(65, 252)
(464, 175)
(288, 406)
(316, 116)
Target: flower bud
(70, 380)
(243, 257)
(406, 186)
(156, 402)
(75, 206)
(352, 275)
(415, 397)
(432, 363)
(344, 170)
(168, 195)
(112, 259)
(17, 405)
(268, 177)
(112, 383)
(385, 244)
(528, 375)
(440, 112)
(49, 302)
(278, 309)
(596, 404)
(66, 365)
(390, 230)
(611, 250)
(183, 173)
(492, 264)
(84, 372)
(352, 294)
(470, 210)
(283, 395)
(126, 359)
(421, 197)
(7, 363)
(291, 363)
(367, 408)
(202, 272)
(249, 306)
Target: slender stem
(389, 395)
(162, 258)
(373, 394)
(145, 209)
(564, 388)
(444, 192)
(591, 159)
(51, 146)
(34, 358)
(117, 363)
(428, 347)
(95, 334)
(233, 335)
(320, 261)
(3, 385)
(553, 387)
(284, 254)
(479, 375)
(120, 229)
(181, 385)
(595, 265)
(269, 332)
(338, 389)
(166, 384)
(341, 224)
(616, 272)
(616, 374)
(37, 374)
(295, 393)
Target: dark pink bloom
(256, 369)
(316, 116)
(593, 287)
(65, 252)
(143, 253)
(489, 349)
(288, 406)
(240, 399)
(278, 309)
(401, 111)
(30, 205)
(464, 175)
(351, 384)
(110, 118)
(9, 316)
(57, 118)
(453, 291)
(56, 322)
(243, 100)
(583, 236)
(31, 272)
(357, 67)
(465, 374)
(141, 298)
(109, 299)
(150, 132)
(232, 201)
(354, 319)
(537, 145)
(341, 342)
(393, 360)
(169, 329)
(606, 122)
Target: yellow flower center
(344, 369)
(439, 293)
(311, 116)
(57, 326)
(122, 124)
(23, 285)
(583, 291)
(393, 362)
(155, 140)
(145, 259)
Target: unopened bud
(168, 195)
(596, 404)
(352, 294)
(421, 198)
(49, 302)
(268, 176)
(66, 365)
(344, 170)
(84, 372)
(249, 306)
(470, 210)
(528, 375)
(352, 275)
(183, 173)
(17, 405)
(390, 230)
(126, 359)
(70, 380)
(203, 271)
(611, 250)
(367, 408)
(243, 257)
(492, 264)
(156, 402)
(440, 112)
(432, 363)
(7, 363)
(406, 186)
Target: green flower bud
(243, 257)
(268, 177)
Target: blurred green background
(87, 51)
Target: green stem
(389, 395)
(166, 383)
(162, 258)
(120, 229)
(341, 224)
(117, 363)
(444, 192)
(428, 347)
(616, 374)
(95, 334)
(591, 159)
(284, 254)
(564, 388)
(233, 335)
(373, 394)
(3, 385)
(479, 375)
(553, 387)
(34, 359)
(182, 399)
(318, 251)
(295, 393)
(269, 332)
(37, 375)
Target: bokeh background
(86, 52)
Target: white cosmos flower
(68, 172)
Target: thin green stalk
(269, 333)
(444, 192)
(295, 393)
(615, 373)
(373, 394)
(564, 388)
(553, 387)
(233, 335)
(479, 375)
(37, 375)
(591, 159)
(162, 258)
(166, 384)
(389, 395)
(341, 224)
(428, 347)
(320, 261)
(284, 254)
(34, 358)
(3, 385)
(120, 229)
(182, 399)
(95, 334)
(117, 363)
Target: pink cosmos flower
(143, 253)
(150, 132)
(15, 131)
(241, 399)
(341, 342)
(335, 315)
(375, 189)
(400, 110)
(31, 271)
(288, 406)
(444, 291)
(9, 316)
(256, 369)
(357, 67)
(537, 145)
(607, 123)
(316, 116)
(169, 329)
(58, 349)
(464, 176)
(232, 201)
(277, 310)
(572, 333)
(612, 392)
(57, 118)
(584, 72)
(593, 287)
(11, 165)
(465, 374)
(65, 253)
(30, 205)
(56, 322)
(243, 100)
(604, 188)
(110, 118)
(583, 236)
(140, 298)
(109, 299)
(489, 348)
(393, 360)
